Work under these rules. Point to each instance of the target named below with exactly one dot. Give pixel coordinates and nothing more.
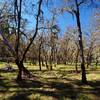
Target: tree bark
(89, 59)
(76, 61)
(84, 80)
(22, 71)
(42, 61)
(46, 64)
(46, 60)
(51, 59)
(40, 57)
(19, 76)
(96, 61)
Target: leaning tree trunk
(22, 71)
(19, 76)
(84, 80)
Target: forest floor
(60, 84)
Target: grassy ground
(59, 84)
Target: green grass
(59, 84)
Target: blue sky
(66, 20)
(63, 20)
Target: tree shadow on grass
(20, 96)
(53, 88)
(24, 95)
(2, 83)
(29, 84)
(61, 90)
(96, 87)
(23, 89)
(64, 90)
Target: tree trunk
(19, 76)
(87, 62)
(51, 62)
(40, 57)
(51, 59)
(96, 64)
(96, 61)
(46, 64)
(22, 71)
(76, 61)
(46, 60)
(42, 62)
(84, 80)
(89, 59)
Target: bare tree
(74, 8)
(15, 51)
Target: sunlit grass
(59, 84)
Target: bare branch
(19, 23)
(44, 28)
(81, 2)
(5, 41)
(70, 11)
(36, 30)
